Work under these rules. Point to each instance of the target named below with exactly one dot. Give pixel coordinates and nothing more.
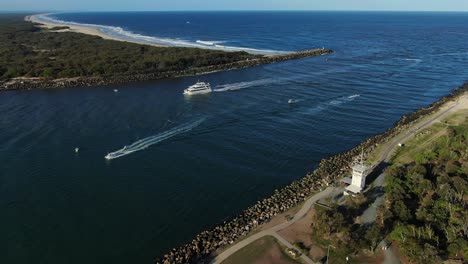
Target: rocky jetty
(201, 248)
(38, 83)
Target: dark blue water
(64, 207)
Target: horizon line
(236, 10)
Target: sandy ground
(84, 30)
(378, 259)
(300, 231)
(273, 255)
(462, 104)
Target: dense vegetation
(29, 51)
(337, 227)
(425, 208)
(426, 200)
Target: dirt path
(449, 108)
(272, 231)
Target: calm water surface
(58, 206)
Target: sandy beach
(83, 29)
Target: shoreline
(21, 82)
(204, 247)
(42, 20)
(41, 83)
(83, 30)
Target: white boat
(116, 154)
(198, 88)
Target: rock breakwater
(39, 83)
(331, 169)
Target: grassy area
(424, 209)
(427, 138)
(30, 51)
(262, 250)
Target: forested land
(27, 50)
(425, 210)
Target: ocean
(193, 162)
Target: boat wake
(343, 99)
(241, 85)
(415, 60)
(293, 101)
(146, 142)
(119, 32)
(336, 102)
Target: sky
(182, 5)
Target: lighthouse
(358, 181)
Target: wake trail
(146, 142)
(335, 102)
(241, 85)
(343, 99)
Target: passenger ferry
(198, 88)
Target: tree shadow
(379, 169)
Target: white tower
(360, 172)
(358, 181)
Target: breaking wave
(209, 43)
(121, 33)
(146, 142)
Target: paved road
(425, 123)
(272, 230)
(305, 258)
(390, 257)
(370, 214)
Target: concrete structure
(360, 173)
(358, 181)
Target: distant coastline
(121, 34)
(89, 30)
(121, 60)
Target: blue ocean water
(203, 159)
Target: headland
(64, 55)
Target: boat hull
(197, 92)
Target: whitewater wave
(210, 43)
(146, 142)
(121, 33)
(241, 85)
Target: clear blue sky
(156, 5)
